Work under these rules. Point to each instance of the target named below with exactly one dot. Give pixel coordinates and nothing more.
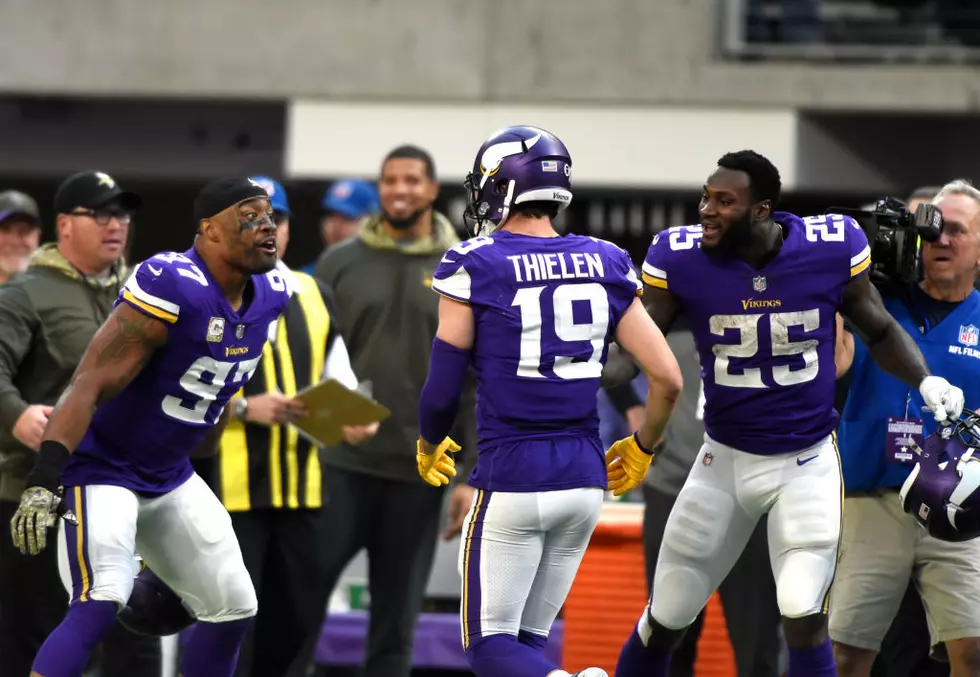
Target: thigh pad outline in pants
(187, 539)
(706, 533)
(96, 559)
(804, 532)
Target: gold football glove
(436, 468)
(626, 464)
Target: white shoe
(591, 672)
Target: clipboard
(330, 406)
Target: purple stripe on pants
(472, 599)
(77, 542)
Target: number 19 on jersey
(534, 336)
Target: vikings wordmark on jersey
(765, 337)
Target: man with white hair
(20, 232)
(881, 547)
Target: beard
(737, 236)
(404, 222)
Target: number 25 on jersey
(747, 328)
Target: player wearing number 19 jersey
(533, 313)
(186, 333)
(761, 291)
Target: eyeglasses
(104, 216)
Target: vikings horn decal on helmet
(942, 492)
(515, 165)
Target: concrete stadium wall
(596, 51)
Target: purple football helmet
(515, 165)
(153, 608)
(943, 490)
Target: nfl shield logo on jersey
(924, 511)
(708, 458)
(216, 330)
(240, 331)
(969, 335)
(759, 283)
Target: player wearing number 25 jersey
(533, 313)
(761, 291)
(186, 333)
(765, 337)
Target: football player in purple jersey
(186, 333)
(533, 312)
(761, 290)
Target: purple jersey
(765, 337)
(545, 310)
(141, 438)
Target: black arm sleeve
(623, 397)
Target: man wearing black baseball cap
(93, 218)
(91, 190)
(20, 232)
(48, 315)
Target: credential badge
(216, 329)
(759, 283)
(240, 331)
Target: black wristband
(51, 458)
(636, 437)
(623, 397)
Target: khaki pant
(880, 550)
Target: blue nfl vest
(951, 349)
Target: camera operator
(905, 650)
(881, 547)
